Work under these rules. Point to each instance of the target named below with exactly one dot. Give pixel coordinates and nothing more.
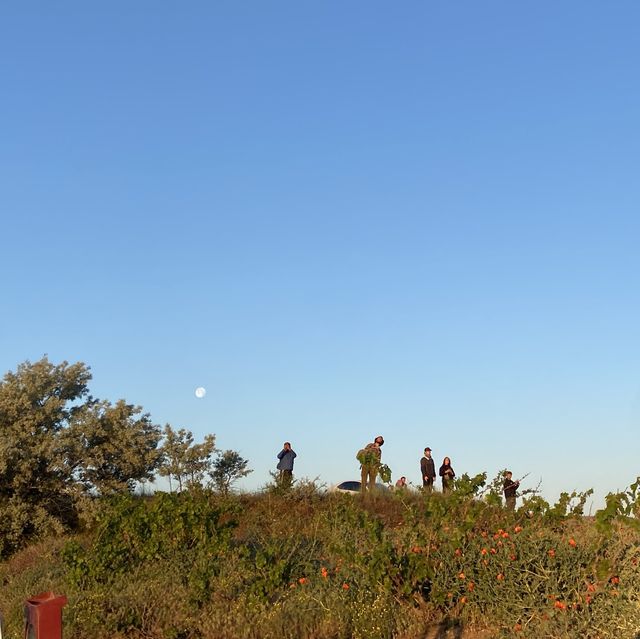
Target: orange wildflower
(572, 542)
(461, 576)
(505, 535)
(458, 552)
(463, 600)
(345, 586)
(512, 557)
(517, 529)
(493, 551)
(484, 551)
(499, 576)
(517, 627)
(302, 580)
(588, 599)
(615, 580)
(559, 605)
(324, 572)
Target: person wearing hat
(369, 458)
(427, 470)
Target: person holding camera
(285, 465)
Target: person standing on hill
(370, 460)
(285, 465)
(447, 474)
(427, 470)
(509, 487)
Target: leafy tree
(37, 403)
(58, 445)
(199, 460)
(111, 447)
(228, 468)
(184, 460)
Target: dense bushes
(307, 564)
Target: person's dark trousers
(286, 478)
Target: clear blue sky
(417, 219)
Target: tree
(228, 468)
(184, 460)
(111, 447)
(198, 460)
(58, 445)
(37, 403)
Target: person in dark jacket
(285, 465)
(509, 488)
(447, 474)
(427, 470)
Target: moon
(201, 391)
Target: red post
(43, 616)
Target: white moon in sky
(201, 392)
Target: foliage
(60, 448)
(623, 506)
(228, 467)
(184, 460)
(384, 472)
(306, 563)
(368, 456)
(111, 447)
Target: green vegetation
(304, 563)
(290, 562)
(61, 450)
